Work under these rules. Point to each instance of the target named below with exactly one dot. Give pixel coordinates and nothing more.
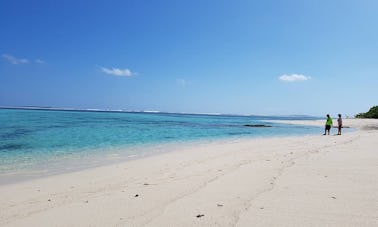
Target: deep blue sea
(43, 141)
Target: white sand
(295, 181)
(362, 124)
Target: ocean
(43, 142)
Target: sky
(278, 57)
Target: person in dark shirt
(339, 124)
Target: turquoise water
(38, 139)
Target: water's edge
(39, 143)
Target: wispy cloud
(294, 77)
(17, 61)
(13, 60)
(118, 72)
(39, 61)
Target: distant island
(372, 113)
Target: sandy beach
(292, 181)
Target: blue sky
(239, 57)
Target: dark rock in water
(258, 126)
(9, 147)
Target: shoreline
(361, 124)
(100, 160)
(115, 155)
(303, 180)
(104, 160)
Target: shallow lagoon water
(46, 141)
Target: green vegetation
(372, 113)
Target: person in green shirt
(328, 125)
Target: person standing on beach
(328, 125)
(340, 124)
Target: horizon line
(148, 111)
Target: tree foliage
(372, 113)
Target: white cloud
(294, 77)
(13, 60)
(118, 72)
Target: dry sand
(294, 181)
